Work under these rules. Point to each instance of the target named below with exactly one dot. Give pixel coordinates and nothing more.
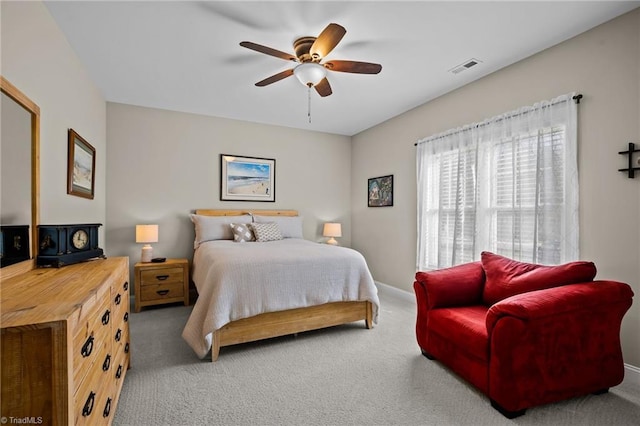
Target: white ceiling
(185, 55)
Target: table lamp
(146, 234)
(332, 230)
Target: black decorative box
(14, 244)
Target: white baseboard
(631, 372)
(402, 294)
(631, 375)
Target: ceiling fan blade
(274, 78)
(354, 67)
(268, 51)
(323, 88)
(327, 40)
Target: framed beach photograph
(380, 191)
(247, 178)
(81, 166)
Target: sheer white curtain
(507, 185)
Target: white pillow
(266, 231)
(290, 226)
(209, 228)
(242, 232)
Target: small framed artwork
(81, 166)
(380, 191)
(247, 178)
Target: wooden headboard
(225, 212)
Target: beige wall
(37, 59)
(163, 165)
(603, 64)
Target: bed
(255, 290)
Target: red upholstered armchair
(523, 334)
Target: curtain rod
(575, 98)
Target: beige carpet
(340, 376)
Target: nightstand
(160, 283)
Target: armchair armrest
(459, 285)
(558, 343)
(560, 300)
(456, 286)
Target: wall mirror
(20, 170)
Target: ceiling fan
(309, 53)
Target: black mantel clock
(61, 245)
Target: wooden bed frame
(291, 321)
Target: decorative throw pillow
(266, 231)
(242, 233)
(290, 226)
(208, 228)
(507, 277)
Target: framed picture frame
(247, 178)
(81, 166)
(380, 191)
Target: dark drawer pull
(118, 299)
(107, 408)
(107, 363)
(162, 277)
(126, 316)
(87, 348)
(88, 406)
(162, 292)
(105, 317)
(126, 348)
(119, 372)
(126, 286)
(118, 335)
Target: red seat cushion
(463, 326)
(507, 277)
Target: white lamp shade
(146, 233)
(310, 73)
(332, 230)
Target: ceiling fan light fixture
(310, 73)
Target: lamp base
(147, 254)
(332, 241)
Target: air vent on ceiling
(465, 66)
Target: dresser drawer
(120, 366)
(121, 319)
(94, 400)
(120, 338)
(162, 291)
(91, 339)
(161, 275)
(120, 302)
(120, 296)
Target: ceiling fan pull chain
(309, 102)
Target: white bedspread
(240, 280)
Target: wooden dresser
(65, 342)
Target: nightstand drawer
(161, 291)
(161, 283)
(164, 275)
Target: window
(507, 185)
